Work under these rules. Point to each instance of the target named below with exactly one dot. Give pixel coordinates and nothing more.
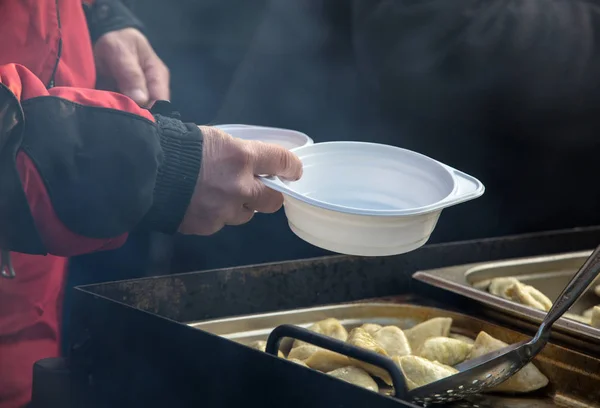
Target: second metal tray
(549, 274)
(573, 376)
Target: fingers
(257, 197)
(274, 160)
(127, 57)
(157, 78)
(242, 216)
(129, 76)
(264, 199)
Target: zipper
(60, 44)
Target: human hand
(228, 191)
(127, 60)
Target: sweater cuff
(105, 16)
(177, 174)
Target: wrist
(105, 16)
(177, 176)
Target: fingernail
(138, 95)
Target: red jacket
(79, 168)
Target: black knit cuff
(177, 174)
(105, 16)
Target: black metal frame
(129, 347)
(341, 347)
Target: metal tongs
(494, 368)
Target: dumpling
(596, 317)
(578, 318)
(356, 376)
(597, 290)
(498, 286)
(371, 328)
(539, 297)
(318, 358)
(436, 327)
(325, 360)
(303, 352)
(445, 350)
(462, 338)
(527, 380)
(262, 346)
(512, 289)
(329, 327)
(528, 296)
(419, 371)
(393, 340)
(588, 313)
(360, 338)
(300, 362)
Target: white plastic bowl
(290, 139)
(370, 199)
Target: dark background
(505, 91)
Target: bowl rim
(452, 198)
(289, 135)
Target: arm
(79, 168)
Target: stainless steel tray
(549, 274)
(574, 377)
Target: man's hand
(126, 58)
(227, 191)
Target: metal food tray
(574, 377)
(548, 274)
(130, 345)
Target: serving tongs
(474, 376)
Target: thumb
(274, 160)
(130, 77)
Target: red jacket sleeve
(79, 168)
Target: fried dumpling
(596, 317)
(528, 296)
(303, 352)
(262, 346)
(527, 380)
(329, 327)
(597, 290)
(300, 362)
(436, 327)
(512, 289)
(445, 350)
(393, 340)
(371, 328)
(498, 286)
(578, 318)
(318, 358)
(419, 371)
(360, 338)
(539, 297)
(356, 376)
(462, 338)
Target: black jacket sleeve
(80, 168)
(105, 16)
